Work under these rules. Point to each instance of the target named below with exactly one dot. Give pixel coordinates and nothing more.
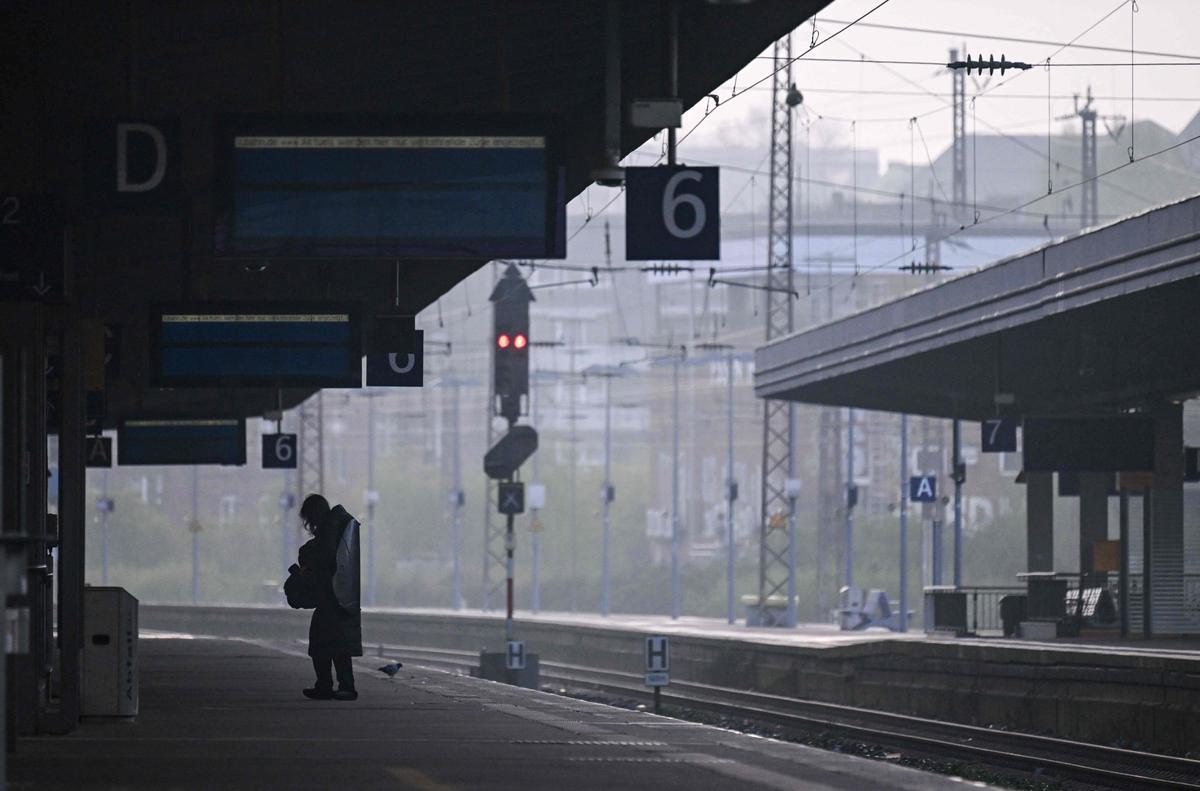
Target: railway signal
(510, 300)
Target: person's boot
(345, 693)
(318, 693)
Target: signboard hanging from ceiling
(401, 187)
(1092, 444)
(184, 441)
(404, 367)
(32, 260)
(248, 344)
(134, 165)
(279, 452)
(672, 213)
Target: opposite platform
(229, 714)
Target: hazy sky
(738, 131)
(1159, 25)
(880, 99)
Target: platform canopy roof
(67, 62)
(1098, 322)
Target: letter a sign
(922, 489)
(134, 165)
(99, 452)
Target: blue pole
(195, 535)
(607, 505)
(731, 614)
(675, 603)
(958, 520)
(371, 497)
(849, 509)
(104, 529)
(904, 523)
(285, 554)
(535, 543)
(791, 579)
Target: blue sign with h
(514, 658)
(658, 657)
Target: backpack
(300, 591)
(346, 574)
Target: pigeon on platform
(392, 668)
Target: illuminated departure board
(182, 441)
(1122, 443)
(232, 344)
(398, 189)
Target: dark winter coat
(333, 631)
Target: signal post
(510, 304)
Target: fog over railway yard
(853, 159)
(818, 370)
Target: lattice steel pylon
(777, 529)
(959, 148)
(310, 466)
(1090, 207)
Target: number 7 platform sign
(672, 214)
(999, 435)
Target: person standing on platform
(329, 567)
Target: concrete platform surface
(219, 713)
(825, 635)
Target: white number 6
(283, 449)
(671, 203)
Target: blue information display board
(1123, 443)
(400, 188)
(277, 345)
(170, 441)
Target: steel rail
(1078, 761)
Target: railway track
(1079, 762)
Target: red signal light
(519, 342)
(503, 341)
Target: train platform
(828, 635)
(228, 713)
(1096, 688)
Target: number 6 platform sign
(672, 214)
(279, 451)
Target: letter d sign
(133, 165)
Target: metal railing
(983, 607)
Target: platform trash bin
(110, 665)
(1012, 612)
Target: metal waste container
(110, 666)
(1012, 612)
(945, 609)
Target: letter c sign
(404, 368)
(402, 363)
(134, 165)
